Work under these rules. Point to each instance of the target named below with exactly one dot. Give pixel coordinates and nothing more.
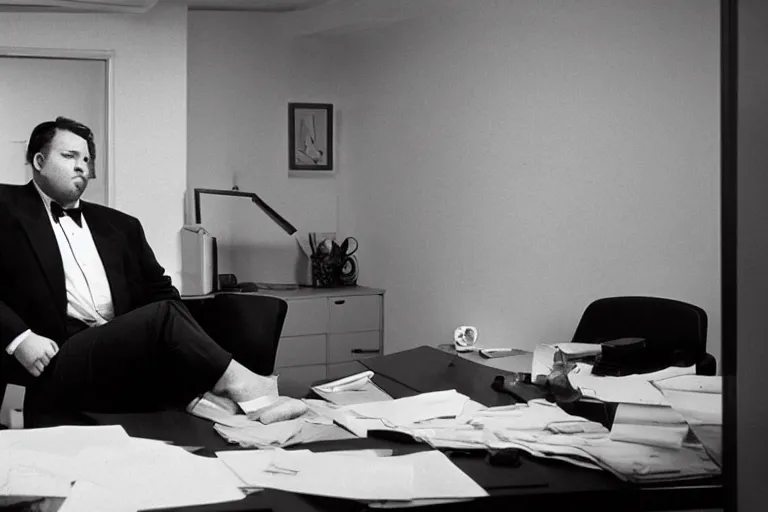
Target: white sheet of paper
(168, 476)
(66, 441)
(579, 349)
(412, 409)
(543, 359)
(323, 474)
(629, 389)
(653, 425)
(32, 473)
(697, 397)
(89, 497)
(435, 476)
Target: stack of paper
(404, 478)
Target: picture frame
(310, 137)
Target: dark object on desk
(680, 326)
(518, 389)
(492, 353)
(629, 356)
(425, 369)
(558, 385)
(508, 457)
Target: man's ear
(37, 161)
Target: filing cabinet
(327, 331)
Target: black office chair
(672, 321)
(247, 326)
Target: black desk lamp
(276, 217)
(279, 220)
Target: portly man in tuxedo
(88, 319)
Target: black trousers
(152, 358)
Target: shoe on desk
(211, 406)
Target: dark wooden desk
(536, 483)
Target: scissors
(345, 246)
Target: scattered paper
(423, 475)
(697, 397)
(323, 474)
(26, 472)
(629, 389)
(66, 441)
(653, 425)
(89, 497)
(435, 476)
(412, 409)
(168, 476)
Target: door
(37, 89)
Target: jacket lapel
(33, 217)
(109, 242)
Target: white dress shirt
(89, 298)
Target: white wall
(243, 71)
(508, 163)
(150, 105)
(502, 164)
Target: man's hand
(35, 353)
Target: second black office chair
(681, 324)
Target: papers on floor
(105, 461)
(420, 475)
(355, 389)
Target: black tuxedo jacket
(32, 287)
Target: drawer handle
(365, 351)
(342, 301)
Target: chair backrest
(653, 318)
(248, 326)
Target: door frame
(107, 56)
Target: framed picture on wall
(310, 137)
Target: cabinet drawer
(296, 380)
(300, 350)
(354, 345)
(306, 316)
(355, 313)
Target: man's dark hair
(42, 135)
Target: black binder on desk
(426, 369)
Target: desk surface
(539, 483)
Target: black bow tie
(74, 213)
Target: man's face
(64, 172)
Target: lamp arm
(276, 217)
